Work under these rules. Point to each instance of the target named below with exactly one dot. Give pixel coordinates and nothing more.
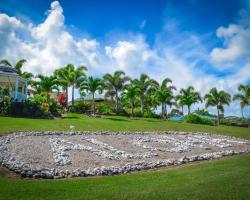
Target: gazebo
(15, 83)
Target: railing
(20, 96)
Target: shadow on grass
(116, 119)
(71, 117)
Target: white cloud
(236, 43)
(49, 45)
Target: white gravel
(69, 154)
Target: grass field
(81, 122)
(220, 179)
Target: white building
(15, 84)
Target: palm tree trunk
(162, 110)
(166, 111)
(142, 106)
(73, 89)
(117, 101)
(93, 102)
(67, 95)
(218, 116)
(188, 109)
(182, 110)
(132, 109)
(242, 113)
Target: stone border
(26, 171)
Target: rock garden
(73, 154)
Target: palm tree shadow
(116, 119)
(71, 117)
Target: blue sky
(194, 42)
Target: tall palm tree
(243, 97)
(62, 76)
(218, 99)
(130, 94)
(114, 84)
(18, 67)
(92, 85)
(71, 76)
(47, 84)
(180, 101)
(164, 95)
(189, 97)
(145, 85)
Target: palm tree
(114, 84)
(243, 97)
(130, 94)
(69, 76)
(180, 101)
(218, 99)
(62, 77)
(189, 96)
(145, 86)
(18, 67)
(47, 84)
(92, 85)
(164, 95)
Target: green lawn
(113, 123)
(220, 179)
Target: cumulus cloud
(49, 45)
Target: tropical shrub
(195, 119)
(149, 114)
(103, 109)
(5, 105)
(54, 108)
(80, 107)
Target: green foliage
(203, 112)
(149, 114)
(55, 108)
(195, 119)
(103, 109)
(80, 107)
(38, 98)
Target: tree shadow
(116, 119)
(71, 117)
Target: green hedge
(195, 119)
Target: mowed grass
(220, 179)
(82, 123)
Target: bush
(195, 119)
(80, 107)
(149, 114)
(55, 108)
(103, 109)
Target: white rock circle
(71, 154)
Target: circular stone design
(71, 154)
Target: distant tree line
(125, 91)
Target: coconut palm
(63, 80)
(145, 86)
(218, 99)
(114, 85)
(243, 97)
(164, 95)
(46, 85)
(130, 94)
(180, 101)
(92, 85)
(18, 67)
(71, 76)
(189, 97)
